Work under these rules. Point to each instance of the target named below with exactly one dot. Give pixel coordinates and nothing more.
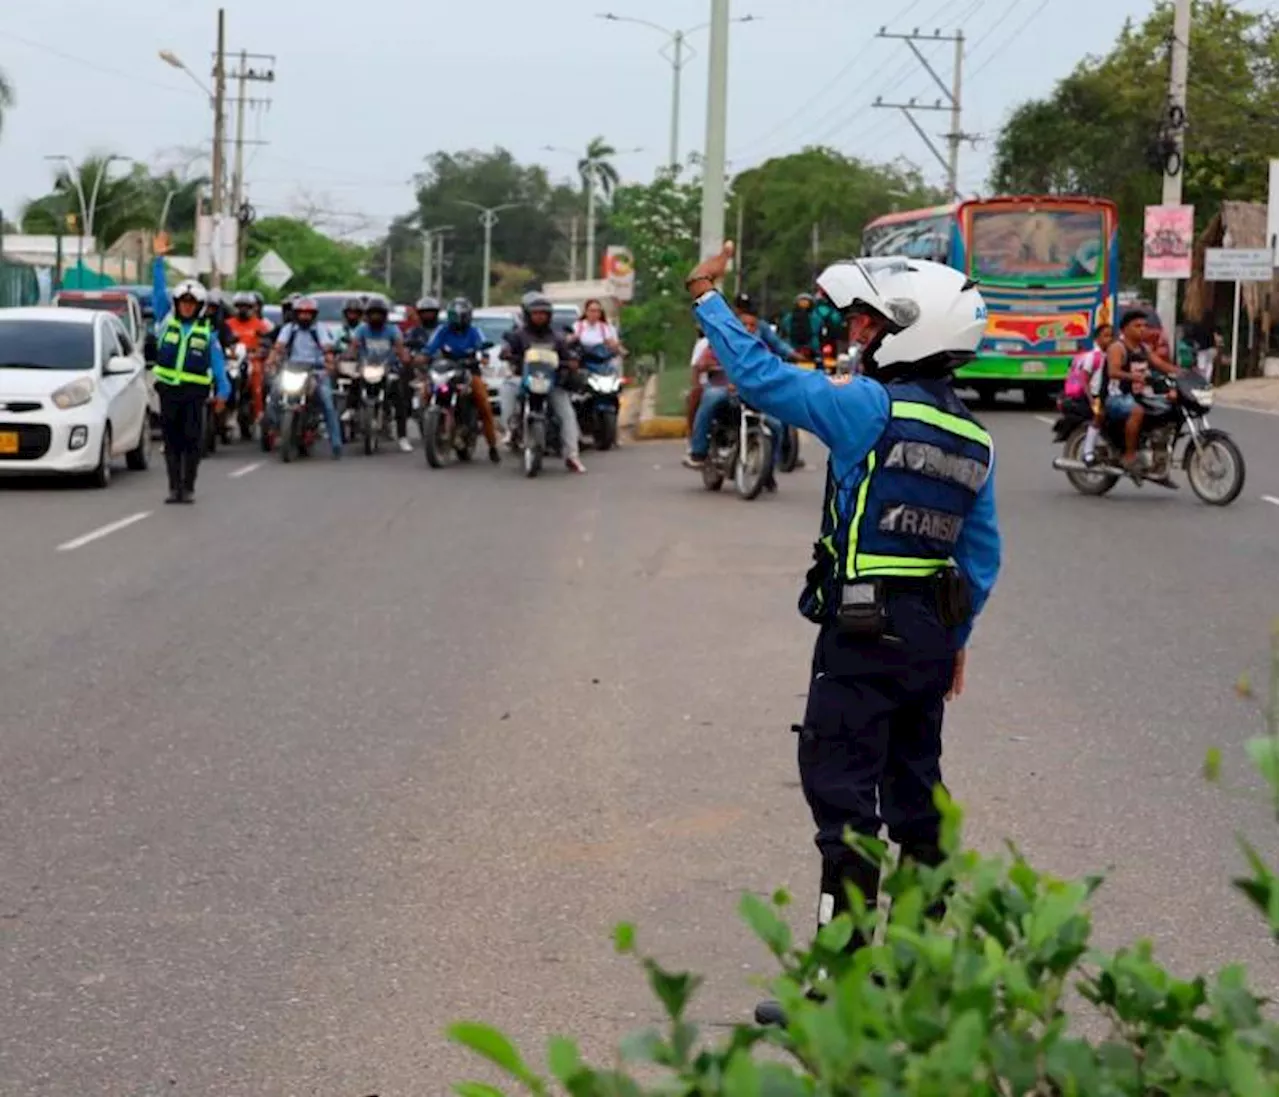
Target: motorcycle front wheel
(606, 435)
(533, 447)
(752, 471)
(288, 436)
(435, 445)
(366, 431)
(1215, 468)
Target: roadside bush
(971, 1005)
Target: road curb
(660, 428)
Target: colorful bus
(1047, 267)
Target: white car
(494, 322)
(73, 394)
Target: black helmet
(353, 304)
(459, 313)
(427, 304)
(744, 302)
(533, 301)
(377, 303)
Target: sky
(363, 92)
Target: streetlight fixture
(87, 208)
(588, 172)
(677, 59)
(488, 218)
(172, 59)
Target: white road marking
(1271, 499)
(103, 531)
(244, 470)
(1044, 419)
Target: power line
(97, 65)
(1011, 39)
(996, 24)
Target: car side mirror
(118, 365)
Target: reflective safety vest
(919, 483)
(183, 356)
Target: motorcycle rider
(418, 336)
(189, 360)
(908, 555)
(1128, 359)
(458, 339)
(379, 342)
(248, 327)
(745, 306)
(352, 317)
(301, 341)
(536, 330)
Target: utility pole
(425, 287)
(589, 256)
(739, 254)
(712, 228)
(677, 63)
(573, 248)
(243, 75)
(489, 218)
(1176, 114)
(439, 294)
(814, 245)
(219, 111)
(387, 278)
(951, 102)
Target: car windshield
(493, 328)
(45, 344)
(330, 307)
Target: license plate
(1033, 367)
(8, 441)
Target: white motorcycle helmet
(190, 288)
(936, 317)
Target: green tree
(318, 261)
(783, 200)
(1099, 130)
(597, 165)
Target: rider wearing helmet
(427, 312)
(246, 324)
(189, 360)
(908, 553)
(378, 341)
(352, 315)
(458, 339)
(302, 341)
(536, 330)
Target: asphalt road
(292, 778)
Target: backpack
(1083, 366)
(293, 335)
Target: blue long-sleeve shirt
(849, 419)
(774, 341)
(162, 308)
(452, 343)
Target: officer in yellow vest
(189, 361)
(908, 553)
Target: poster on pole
(620, 272)
(1168, 233)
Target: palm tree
(7, 97)
(598, 165)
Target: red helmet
(305, 304)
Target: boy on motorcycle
(537, 331)
(302, 342)
(457, 339)
(379, 342)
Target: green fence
(18, 284)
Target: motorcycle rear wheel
(1086, 483)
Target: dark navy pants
(871, 742)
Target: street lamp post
(488, 218)
(712, 229)
(89, 207)
(678, 58)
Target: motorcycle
(741, 449)
(597, 399)
(448, 417)
(371, 409)
(535, 433)
(240, 369)
(1213, 462)
(299, 414)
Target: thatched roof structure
(1236, 225)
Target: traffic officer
(189, 360)
(908, 552)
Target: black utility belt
(864, 603)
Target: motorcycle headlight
(1203, 397)
(372, 374)
(74, 394)
(538, 383)
(606, 383)
(293, 382)
(440, 378)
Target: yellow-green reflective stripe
(851, 564)
(953, 424)
(867, 563)
(177, 376)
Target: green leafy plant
(971, 1004)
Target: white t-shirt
(698, 349)
(593, 335)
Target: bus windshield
(919, 238)
(1039, 246)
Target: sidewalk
(1254, 393)
(653, 426)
